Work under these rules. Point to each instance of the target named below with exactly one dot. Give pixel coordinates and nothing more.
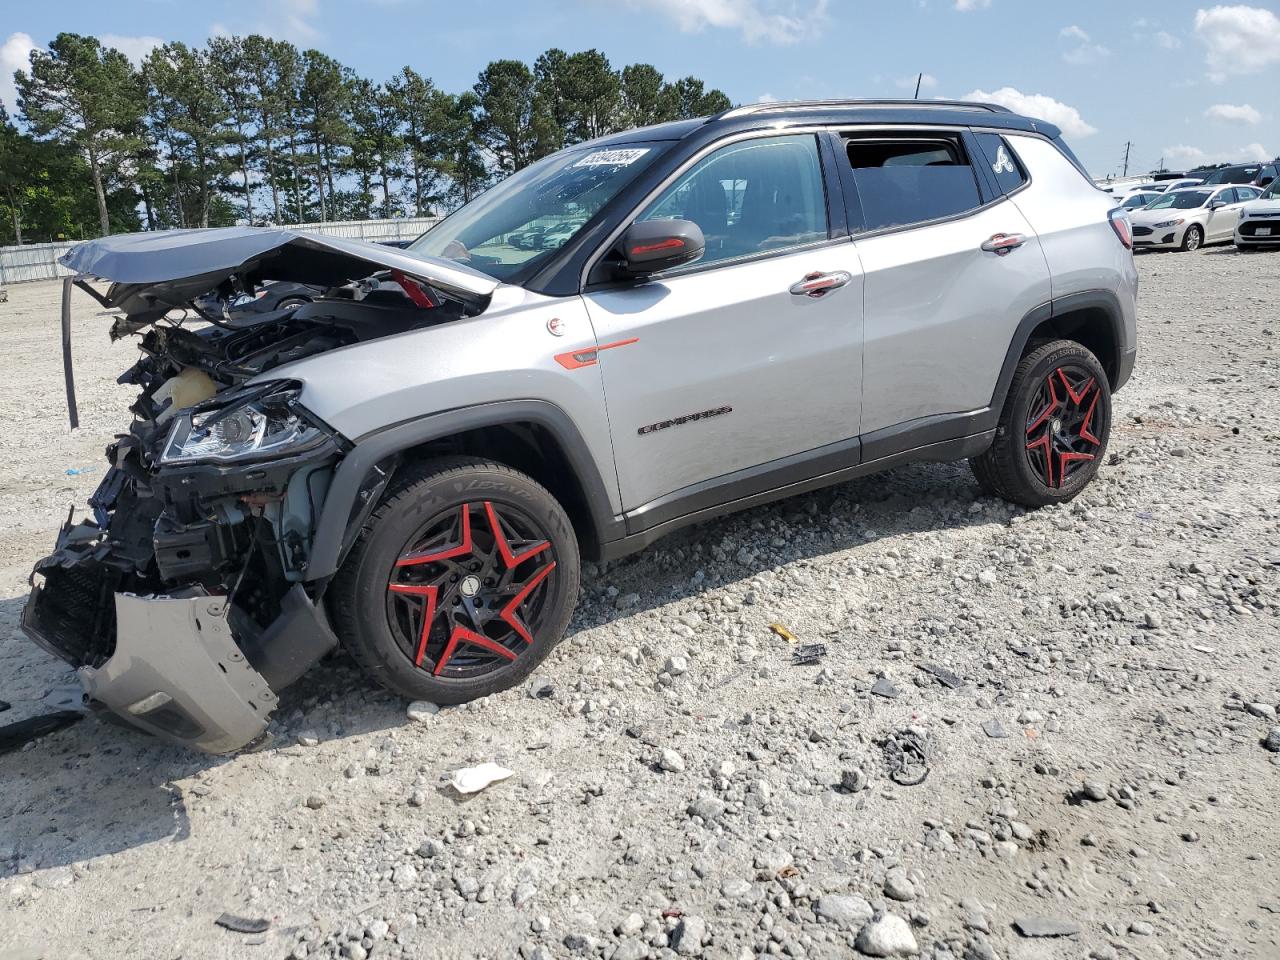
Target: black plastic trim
(332, 539)
(789, 481)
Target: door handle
(819, 284)
(1003, 244)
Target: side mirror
(651, 246)
(1217, 204)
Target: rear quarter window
(1003, 161)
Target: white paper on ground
(475, 779)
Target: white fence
(39, 261)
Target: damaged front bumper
(182, 671)
(185, 604)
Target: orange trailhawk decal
(577, 359)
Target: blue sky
(1185, 81)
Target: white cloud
(1238, 39)
(1166, 40)
(1187, 156)
(1037, 105)
(964, 6)
(298, 16)
(135, 48)
(766, 98)
(771, 21)
(1081, 48)
(1233, 113)
(15, 54)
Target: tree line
(253, 129)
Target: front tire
(1053, 430)
(1193, 239)
(460, 583)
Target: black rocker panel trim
(787, 481)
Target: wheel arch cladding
(533, 436)
(1092, 318)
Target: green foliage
(250, 129)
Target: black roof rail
(790, 105)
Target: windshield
(1232, 175)
(1180, 200)
(511, 227)
(1137, 200)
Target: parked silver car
(768, 301)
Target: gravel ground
(1095, 730)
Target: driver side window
(751, 197)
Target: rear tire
(1052, 433)
(1193, 239)
(482, 552)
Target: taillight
(1120, 224)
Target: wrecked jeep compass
(714, 314)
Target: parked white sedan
(1187, 219)
(1259, 221)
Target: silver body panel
(789, 367)
(941, 313)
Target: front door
(733, 363)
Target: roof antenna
(919, 77)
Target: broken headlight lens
(265, 425)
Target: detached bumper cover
(177, 672)
(187, 669)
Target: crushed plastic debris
(475, 779)
(906, 754)
(994, 729)
(77, 471)
(229, 921)
(784, 633)
(808, 653)
(884, 688)
(15, 736)
(944, 676)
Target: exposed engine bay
(201, 529)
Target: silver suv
(630, 336)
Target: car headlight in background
(1170, 223)
(265, 422)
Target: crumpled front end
(185, 601)
(182, 602)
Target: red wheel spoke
(1086, 428)
(430, 594)
(462, 549)
(1053, 405)
(508, 613)
(1076, 398)
(1043, 444)
(510, 558)
(463, 635)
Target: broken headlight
(266, 422)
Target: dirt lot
(1097, 768)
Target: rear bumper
(184, 668)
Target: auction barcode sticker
(612, 158)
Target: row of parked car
(1238, 204)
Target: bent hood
(151, 273)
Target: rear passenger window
(901, 181)
(1004, 163)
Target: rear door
(1222, 221)
(728, 366)
(951, 268)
